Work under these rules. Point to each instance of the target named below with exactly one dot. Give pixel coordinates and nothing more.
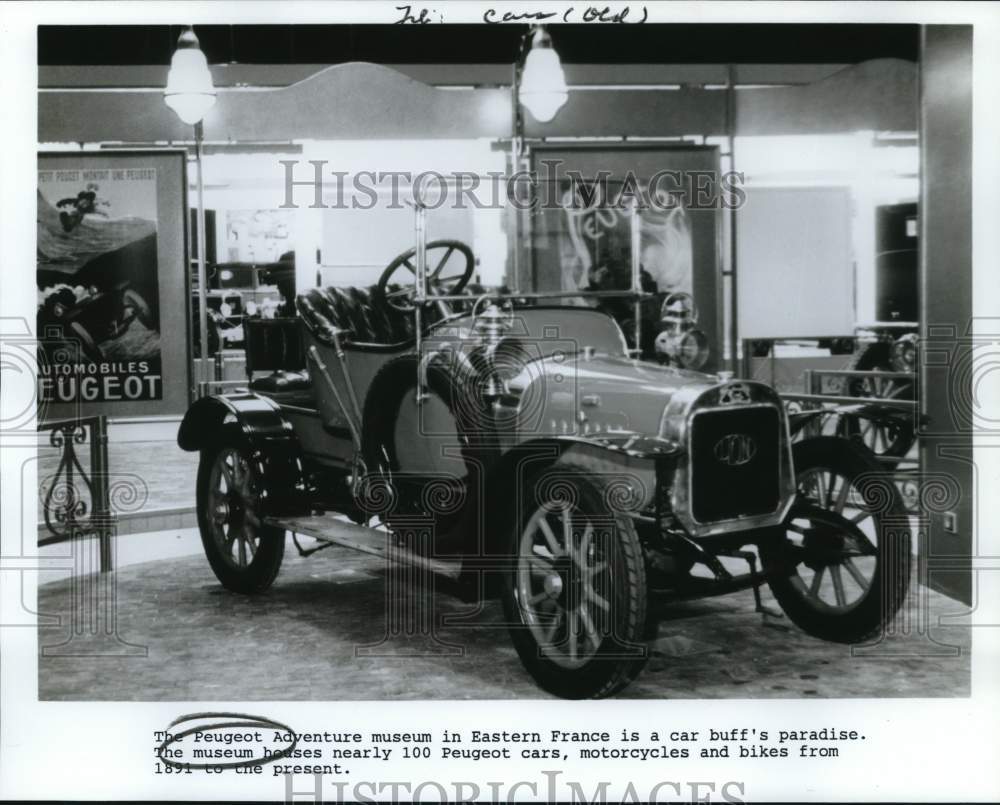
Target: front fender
(632, 462)
(255, 423)
(627, 456)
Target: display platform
(314, 636)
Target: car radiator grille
(735, 463)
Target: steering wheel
(440, 279)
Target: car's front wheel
(245, 554)
(575, 593)
(840, 567)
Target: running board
(329, 528)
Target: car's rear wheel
(245, 554)
(575, 593)
(841, 567)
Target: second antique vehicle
(522, 448)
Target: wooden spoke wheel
(575, 594)
(244, 553)
(841, 564)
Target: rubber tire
(601, 677)
(891, 580)
(260, 574)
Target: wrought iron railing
(76, 501)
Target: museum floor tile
(325, 631)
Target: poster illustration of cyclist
(98, 312)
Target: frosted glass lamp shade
(189, 91)
(543, 83)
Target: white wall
(874, 174)
(872, 171)
(354, 244)
(796, 278)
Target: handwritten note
(419, 15)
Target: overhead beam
(879, 95)
(154, 76)
(369, 101)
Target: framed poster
(258, 236)
(112, 283)
(580, 229)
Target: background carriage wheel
(892, 439)
(575, 594)
(841, 566)
(245, 554)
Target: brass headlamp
(680, 342)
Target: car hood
(577, 395)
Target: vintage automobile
(520, 447)
(90, 316)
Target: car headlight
(688, 349)
(903, 354)
(679, 310)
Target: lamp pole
(203, 374)
(516, 149)
(190, 93)
(540, 86)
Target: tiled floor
(304, 639)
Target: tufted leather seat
(364, 313)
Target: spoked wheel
(841, 566)
(245, 554)
(890, 437)
(562, 584)
(575, 595)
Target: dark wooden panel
(946, 291)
